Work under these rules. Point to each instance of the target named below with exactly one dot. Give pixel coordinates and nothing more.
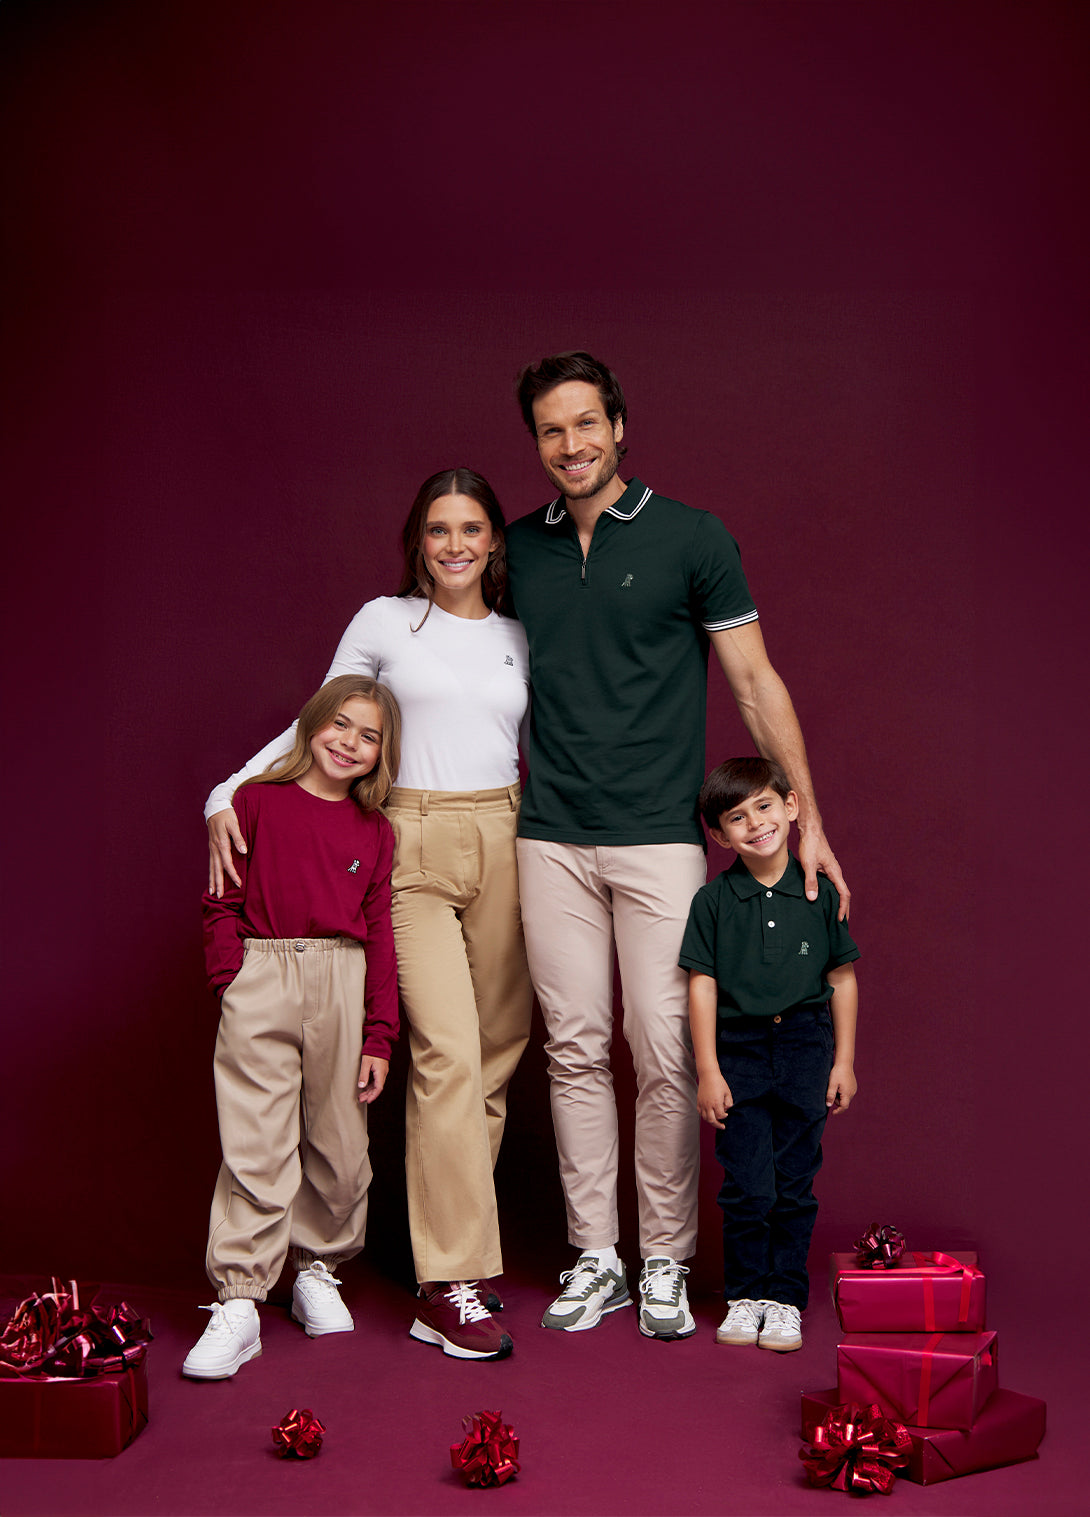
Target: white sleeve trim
(732, 621)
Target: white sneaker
(231, 1339)
(781, 1329)
(589, 1293)
(316, 1302)
(742, 1323)
(664, 1301)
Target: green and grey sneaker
(664, 1301)
(589, 1293)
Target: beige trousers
(295, 1169)
(467, 997)
(577, 902)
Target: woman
(457, 664)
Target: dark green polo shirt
(768, 950)
(618, 664)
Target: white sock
(605, 1258)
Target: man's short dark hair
(538, 379)
(735, 781)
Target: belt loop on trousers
(424, 802)
(513, 796)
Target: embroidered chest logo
(354, 866)
(626, 583)
(804, 948)
(509, 660)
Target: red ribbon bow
(51, 1334)
(488, 1454)
(298, 1433)
(879, 1247)
(854, 1448)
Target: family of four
(381, 849)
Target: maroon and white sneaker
(492, 1298)
(451, 1314)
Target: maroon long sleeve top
(314, 869)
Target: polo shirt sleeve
(842, 949)
(698, 941)
(720, 594)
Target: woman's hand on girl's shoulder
(223, 831)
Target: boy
(772, 1007)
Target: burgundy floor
(609, 1422)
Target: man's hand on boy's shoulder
(842, 1088)
(816, 857)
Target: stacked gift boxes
(917, 1346)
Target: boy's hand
(842, 1087)
(373, 1074)
(713, 1099)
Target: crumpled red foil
(52, 1334)
(299, 1433)
(488, 1454)
(879, 1247)
(854, 1448)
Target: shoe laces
(661, 1284)
(463, 1295)
(744, 1313)
(779, 1315)
(223, 1322)
(320, 1275)
(580, 1280)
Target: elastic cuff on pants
(245, 1290)
(303, 1258)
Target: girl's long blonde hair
(371, 790)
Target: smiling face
(758, 829)
(577, 443)
(345, 750)
(458, 538)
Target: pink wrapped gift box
(66, 1418)
(927, 1380)
(1008, 1430)
(922, 1293)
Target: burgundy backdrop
(267, 267)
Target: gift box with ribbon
(919, 1293)
(73, 1378)
(924, 1379)
(1007, 1431)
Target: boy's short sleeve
(842, 948)
(698, 940)
(721, 597)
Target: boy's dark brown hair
(735, 781)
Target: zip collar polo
(556, 512)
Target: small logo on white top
(509, 660)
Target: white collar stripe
(556, 512)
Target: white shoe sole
(585, 1324)
(193, 1372)
(425, 1334)
(781, 1348)
(312, 1330)
(668, 1337)
(736, 1340)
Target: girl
(458, 665)
(301, 949)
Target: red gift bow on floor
(488, 1454)
(879, 1247)
(298, 1433)
(51, 1334)
(854, 1448)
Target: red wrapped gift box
(66, 1418)
(1007, 1431)
(922, 1293)
(927, 1380)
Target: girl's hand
(223, 831)
(842, 1087)
(373, 1074)
(713, 1099)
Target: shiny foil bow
(488, 1454)
(854, 1448)
(51, 1334)
(879, 1247)
(298, 1434)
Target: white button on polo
(768, 893)
(772, 924)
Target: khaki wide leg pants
(295, 1169)
(579, 900)
(467, 998)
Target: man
(621, 591)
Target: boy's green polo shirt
(618, 665)
(768, 950)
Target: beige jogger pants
(295, 1169)
(466, 993)
(577, 901)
